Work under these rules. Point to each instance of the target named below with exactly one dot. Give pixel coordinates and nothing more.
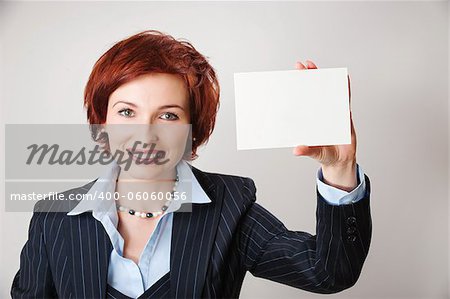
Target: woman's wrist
(342, 176)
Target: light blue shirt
(154, 262)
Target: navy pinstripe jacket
(212, 247)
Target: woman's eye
(175, 117)
(126, 112)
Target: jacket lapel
(193, 234)
(90, 250)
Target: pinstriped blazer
(212, 247)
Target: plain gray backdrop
(397, 57)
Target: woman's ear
(100, 136)
(190, 140)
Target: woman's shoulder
(232, 183)
(50, 212)
(63, 201)
(220, 176)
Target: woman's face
(149, 113)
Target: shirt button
(351, 220)
(351, 230)
(351, 238)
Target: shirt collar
(106, 183)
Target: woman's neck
(145, 194)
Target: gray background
(397, 55)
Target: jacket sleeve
(34, 279)
(327, 262)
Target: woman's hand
(338, 162)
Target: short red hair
(152, 51)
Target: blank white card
(279, 109)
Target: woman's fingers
(300, 66)
(309, 151)
(310, 64)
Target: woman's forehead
(153, 89)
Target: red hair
(152, 51)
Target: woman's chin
(146, 171)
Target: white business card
(278, 109)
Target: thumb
(304, 150)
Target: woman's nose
(147, 133)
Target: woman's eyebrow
(171, 106)
(128, 103)
(161, 107)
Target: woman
(158, 249)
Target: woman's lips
(144, 156)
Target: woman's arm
(327, 262)
(34, 279)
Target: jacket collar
(105, 184)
